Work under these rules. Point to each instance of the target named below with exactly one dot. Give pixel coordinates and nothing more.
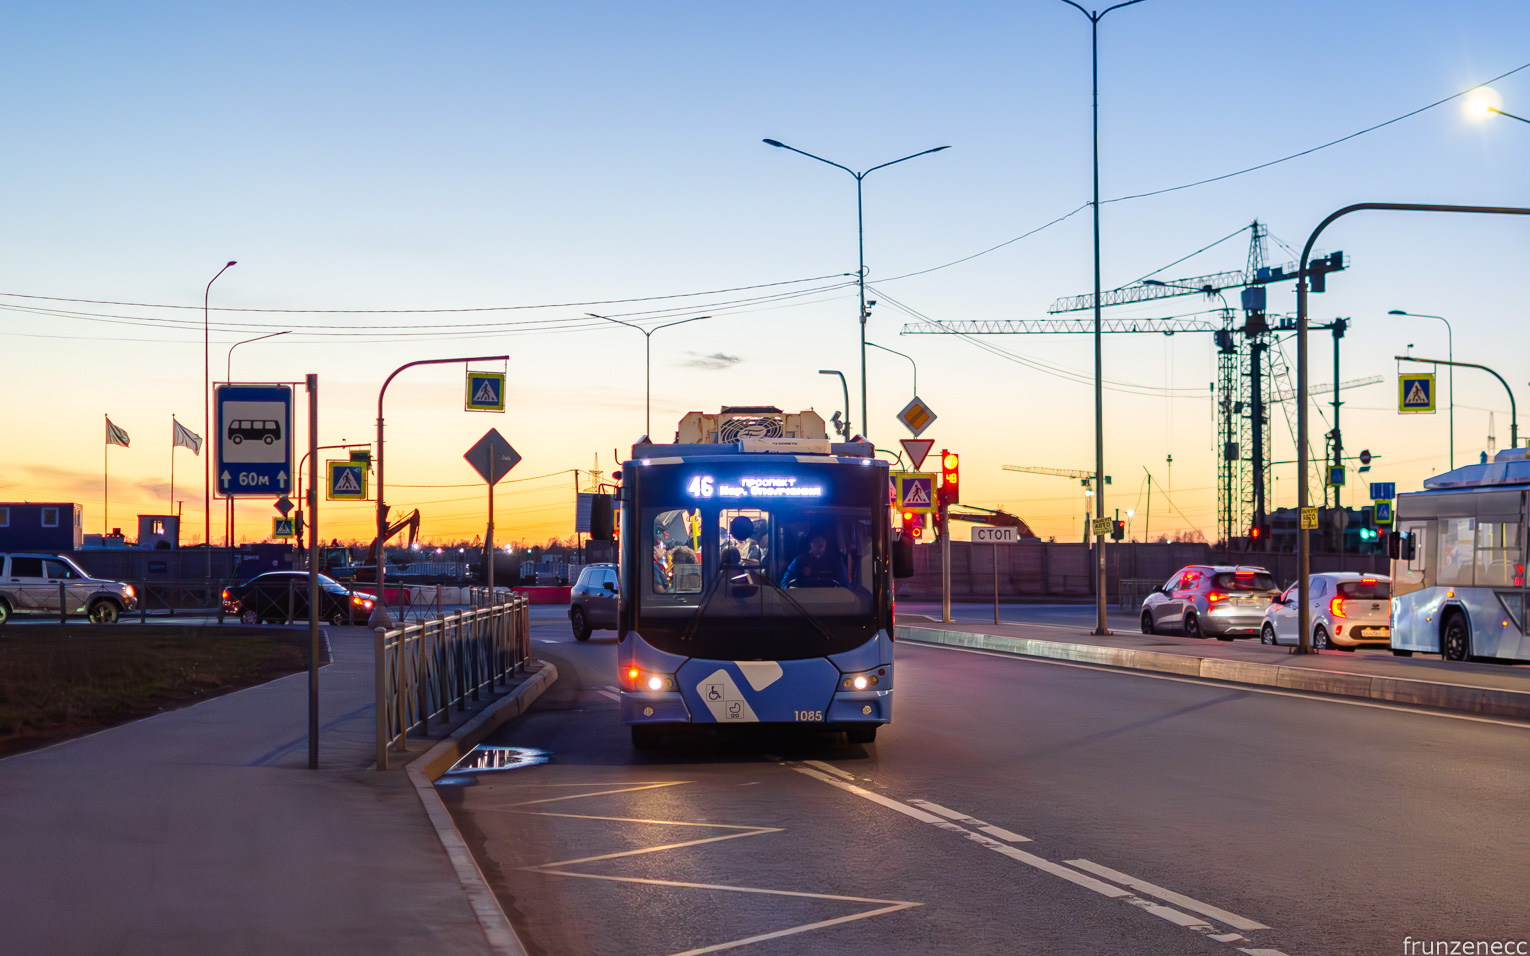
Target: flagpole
(106, 498)
(172, 463)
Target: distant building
(41, 526)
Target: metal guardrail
(1131, 591)
(422, 669)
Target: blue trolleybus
(756, 587)
(1458, 572)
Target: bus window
(676, 565)
(744, 537)
(1497, 551)
(1457, 536)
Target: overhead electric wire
(488, 308)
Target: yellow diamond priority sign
(916, 416)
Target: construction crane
(1084, 477)
(1244, 367)
(994, 516)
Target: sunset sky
(373, 167)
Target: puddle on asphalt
(488, 758)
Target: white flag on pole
(115, 435)
(186, 438)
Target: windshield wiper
(695, 621)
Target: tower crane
(1085, 477)
(1244, 374)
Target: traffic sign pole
(313, 571)
(945, 565)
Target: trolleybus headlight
(637, 679)
(859, 681)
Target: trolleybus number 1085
(810, 715)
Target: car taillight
(225, 594)
(1216, 596)
(1336, 607)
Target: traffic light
(949, 476)
(1117, 530)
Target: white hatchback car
(1348, 610)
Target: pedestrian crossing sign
(1383, 512)
(347, 481)
(1415, 393)
(282, 528)
(485, 391)
(916, 491)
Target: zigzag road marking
(559, 867)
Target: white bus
(1458, 563)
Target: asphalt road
(1013, 806)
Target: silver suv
(34, 583)
(1224, 601)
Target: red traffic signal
(950, 476)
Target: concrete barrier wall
(1423, 693)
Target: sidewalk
(1489, 689)
(201, 830)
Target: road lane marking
(881, 906)
(942, 817)
(1211, 682)
(1169, 896)
(605, 693)
(829, 768)
(960, 817)
(1056, 869)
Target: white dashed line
(1169, 896)
(942, 817)
(829, 768)
(605, 693)
(959, 817)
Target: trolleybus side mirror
(601, 523)
(903, 556)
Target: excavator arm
(410, 521)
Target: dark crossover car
(1218, 600)
(265, 599)
(592, 600)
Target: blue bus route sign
(253, 441)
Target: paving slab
(201, 830)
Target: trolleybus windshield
(760, 562)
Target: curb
(424, 770)
(1487, 701)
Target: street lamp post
(1304, 541)
(910, 361)
(207, 419)
(1099, 391)
(1450, 353)
(844, 426)
(647, 362)
(1513, 410)
(379, 616)
(228, 376)
(860, 233)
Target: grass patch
(60, 681)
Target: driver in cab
(816, 568)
